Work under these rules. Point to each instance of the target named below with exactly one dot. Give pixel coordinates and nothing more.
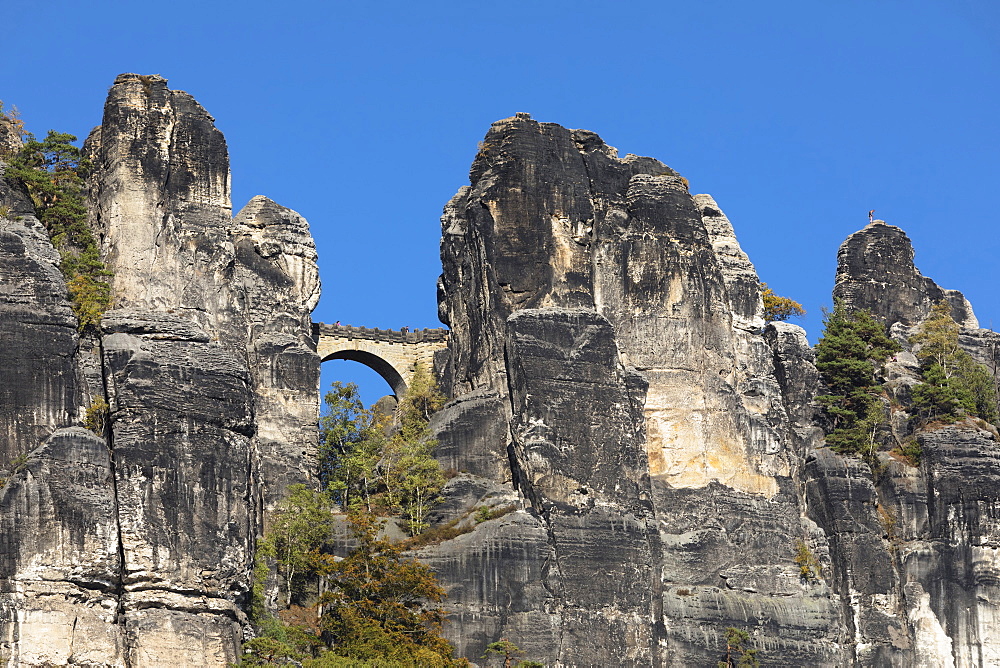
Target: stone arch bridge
(393, 354)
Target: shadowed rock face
(653, 453)
(614, 322)
(939, 519)
(875, 272)
(209, 367)
(38, 384)
(670, 452)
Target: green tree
(853, 347)
(352, 441)
(301, 528)
(363, 467)
(508, 651)
(738, 655)
(53, 171)
(777, 307)
(954, 383)
(413, 477)
(382, 606)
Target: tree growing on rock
(299, 531)
(368, 465)
(853, 348)
(53, 170)
(738, 653)
(381, 606)
(779, 308)
(955, 384)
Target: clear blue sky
(798, 117)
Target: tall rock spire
(875, 272)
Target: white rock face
(161, 185)
(933, 647)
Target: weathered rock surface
(38, 384)
(617, 321)
(160, 196)
(875, 271)
(276, 286)
(932, 602)
(59, 557)
(654, 452)
(210, 370)
(610, 322)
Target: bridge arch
(392, 354)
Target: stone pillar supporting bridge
(390, 353)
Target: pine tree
(53, 171)
(381, 606)
(853, 347)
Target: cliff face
(652, 449)
(134, 549)
(669, 451)
(614, 323)
(939, 520)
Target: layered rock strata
(614, 323)
(608, 326)
(938, 520)
(208, 364)
(875, 271)
(650, 453)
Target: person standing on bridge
(336, 324)
(404, 330)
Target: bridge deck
(436, 335)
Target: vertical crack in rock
(652, 462)
(646, 420)
(208, 363)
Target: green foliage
(351, 442)
(96, 417)
(508, 651)
(853, 347)
(485, 513)
(15, 465)
(382, 606)
(911, 451)
(268, 651)
(378, 608)
(809, 566)
(299, 531)
(53, 171)
(779, 308)
(737, 653)
(955, 385)
(18, 462)
(363, 467)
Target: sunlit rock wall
(615, 323)
(209, 367)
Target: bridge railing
(428, 335)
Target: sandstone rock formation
(940, 577)
(135, 549)
(614, 323)
(670, 450)
(875, 271)
(653, 449)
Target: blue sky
(798, 117)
